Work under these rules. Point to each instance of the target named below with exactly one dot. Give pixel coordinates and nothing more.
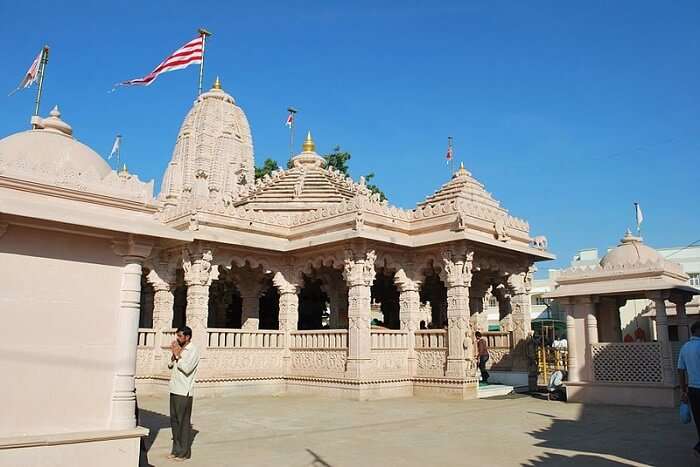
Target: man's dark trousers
(180, 412)
(482, 367)
(694, 403)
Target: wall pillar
(359, 275)
(505, 309)
(478, 319)
(124, 390)
(409, 313)
(199, 274)
(659, 298)
(458, 277)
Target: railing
(320, 339)
(167, 337)
(146, 337)
(389, 339)
(498, 340)
(246, 339)
(431, 339)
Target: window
(694, 279)
(539, 300)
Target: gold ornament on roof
(217, 84)
(309, 145)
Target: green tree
(338, 160)
(267, 168)
(374, 188)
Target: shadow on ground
(605, 435)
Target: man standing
(689, 376)
(183, 365)
(482, 356)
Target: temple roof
(463, 186)
(308, 185)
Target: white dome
(630, 251)
(213, 154)
(50, 154)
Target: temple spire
(309, 145)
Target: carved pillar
(458, 277)
(680, 300)
(199, 274)
(409, 313)
(287, 284)
(479, 319)
(505, 316)
(520, 286)
(124, 392)
(659, 298)
(336, 290)
(250, 288)
(359, 274)
(162, 280)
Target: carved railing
(320, 339)
(431, 339)
(431, 352)
(632, 362)
(389, 339)
(166, 337)
(147, 337)
(498, 340)
(245, 339)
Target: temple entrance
(269, 304)
(314, 310)
(225, 303)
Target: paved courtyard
(517, 430)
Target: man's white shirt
(183, 371)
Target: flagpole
(452, 155)
(636, 218)
(42, 70)
(119, 151)
(204, 33)
(293, 112)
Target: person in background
(689, 376)
(482, 356)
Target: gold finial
(309, 145)
(461, 172)
(217, 84)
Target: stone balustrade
(431, 339)
(146, 338)
(248, 339)
(498, 340)
(320, 339)
(389, 339)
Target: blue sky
(567, 113)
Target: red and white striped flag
(183, 57)
(32, 73)
(290, 120)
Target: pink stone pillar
(287, 285)
(520, 286)
(587, 309)
(409, 314)
(359, 275)
(458, 276)
(572, 338)
(659, 299)
(199, 274)
(124, 391)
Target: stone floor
(515, 430)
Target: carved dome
(213, 154)
(630, 251)
(49, 153)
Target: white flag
(115, 146)
(32, 73)
(639, 215)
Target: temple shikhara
(282, 279)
